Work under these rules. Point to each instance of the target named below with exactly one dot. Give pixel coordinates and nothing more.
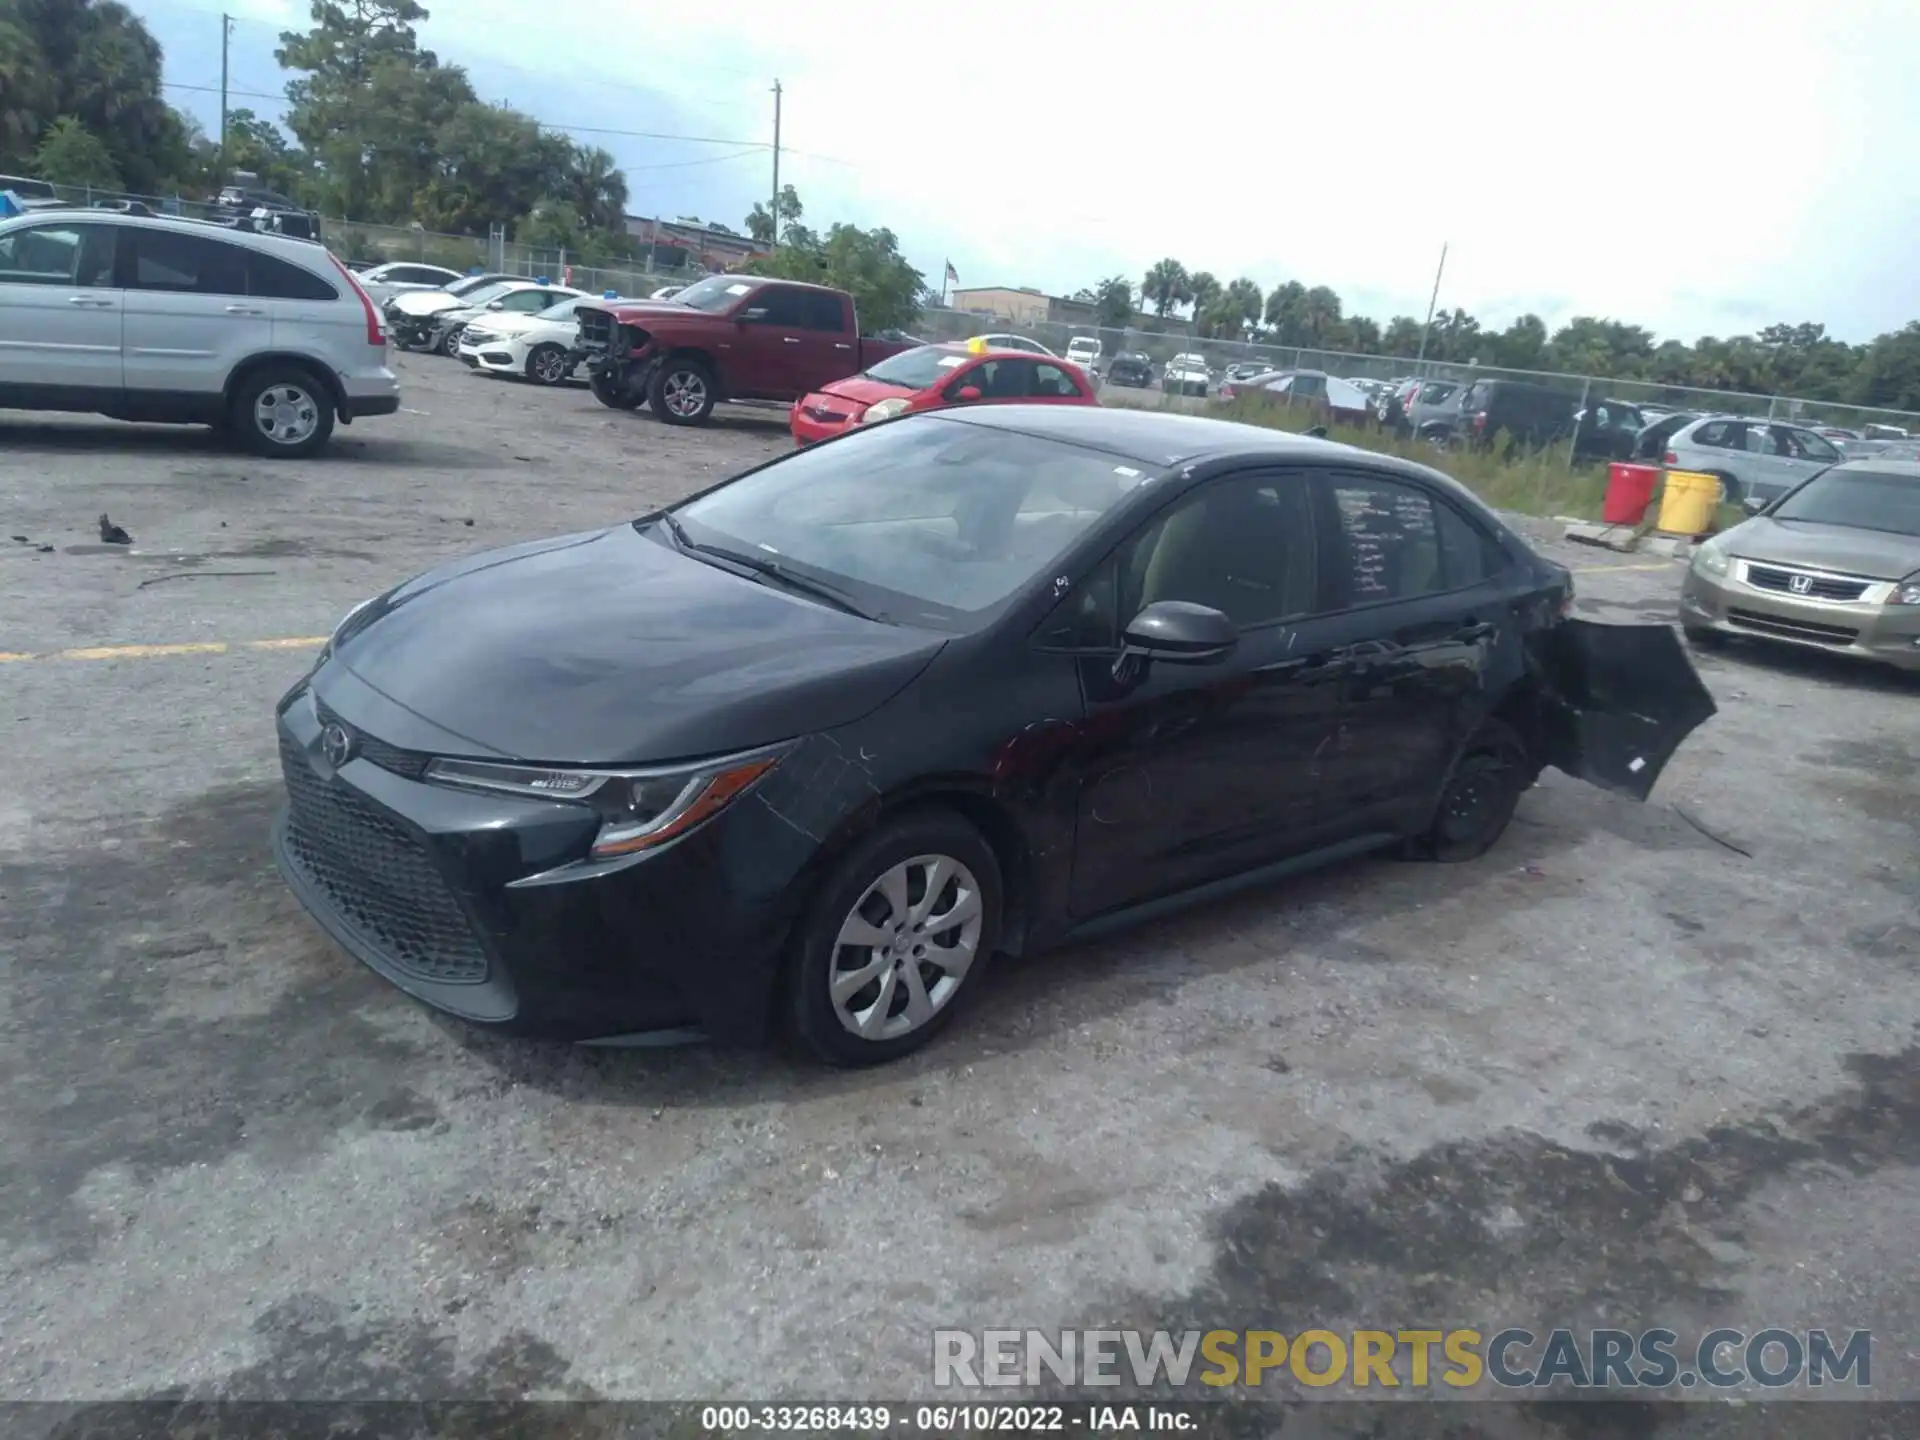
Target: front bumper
(496, 356)
(811, 429)
(1865, 627)
(487, 906)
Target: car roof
(1880, 465)
(1161, 438)
(288, 245)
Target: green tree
(1521, 346)
(70, 154)
(1402, 337)
(866, 263)
(1234, 311)
(94, 62)
(1320, 315)
(1365, 334)
(1166, 286)
(260, 147)
(1113, 302)
(487, 163)
(1889, 372)
(595, 187)
(1202, 290)
(762, 222)
(1286, 313)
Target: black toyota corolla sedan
(810, 747)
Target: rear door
(1418, 614)
(60, 313)
(190, 319)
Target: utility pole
(226, 34)
(775, 211)
(1432, 300)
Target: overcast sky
(1695, 166)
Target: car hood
(609, 648)
(1840, 548)
(859, 390)
(426, 302)
(497, 323)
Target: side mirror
(754, 312)
(968, 392)
(497, 305)
(1177, 632)
(1753, 504)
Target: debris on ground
(22, 539)
(112, 534)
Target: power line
(706, 160)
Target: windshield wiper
(665, 517)
(773, 571)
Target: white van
(1084, 351)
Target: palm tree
(1166, 286)
(1240, 307)
(599, 189)
(1320, 313)
(1202, 290)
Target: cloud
(1653, 162)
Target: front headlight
(639, 809)
(1907, 592)
(1711, 558)
(883, 410)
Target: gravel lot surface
(1617, 1072)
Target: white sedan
(383, 282)
(536, 347)
(1015, 342)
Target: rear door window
(188, 264)
(1721, 435)
(1385, 541)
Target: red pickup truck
(727, 337)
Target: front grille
(1818, 587)
(1793, 629)
(410, 763)
(378, 877)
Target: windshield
(473, 285)
(1083, 347)
(933, 520)
(713, 294)
(564, 310)
(917, 369)
(1859, 499)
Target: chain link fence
(1161, 346)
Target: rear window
(272, 278)
(1476, 397)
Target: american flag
(953, 275)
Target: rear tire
(1479, 798)
(613, 395)
(950, 923)
(282, 411)
(682, 393)
(547, 365)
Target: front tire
(1480, 796)
(682, 393)
(450, 343)
(282, 411)
(896, 934)
(547, 365)
(612, 393)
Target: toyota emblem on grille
(337, 745)
(1800, 584)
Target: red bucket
(1629, 492)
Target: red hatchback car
(935, 376)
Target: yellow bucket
(1688, 500)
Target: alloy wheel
(685, 392)
(286, 414)
(549, 367)
(905, 947)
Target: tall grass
(1535, 482)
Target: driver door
(1196, 772)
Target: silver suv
(1754, 459)
(186, 322)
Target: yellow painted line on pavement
(158, 652)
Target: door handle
(841, 345)
(244, 310)
(89, 300)
(791, 339)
